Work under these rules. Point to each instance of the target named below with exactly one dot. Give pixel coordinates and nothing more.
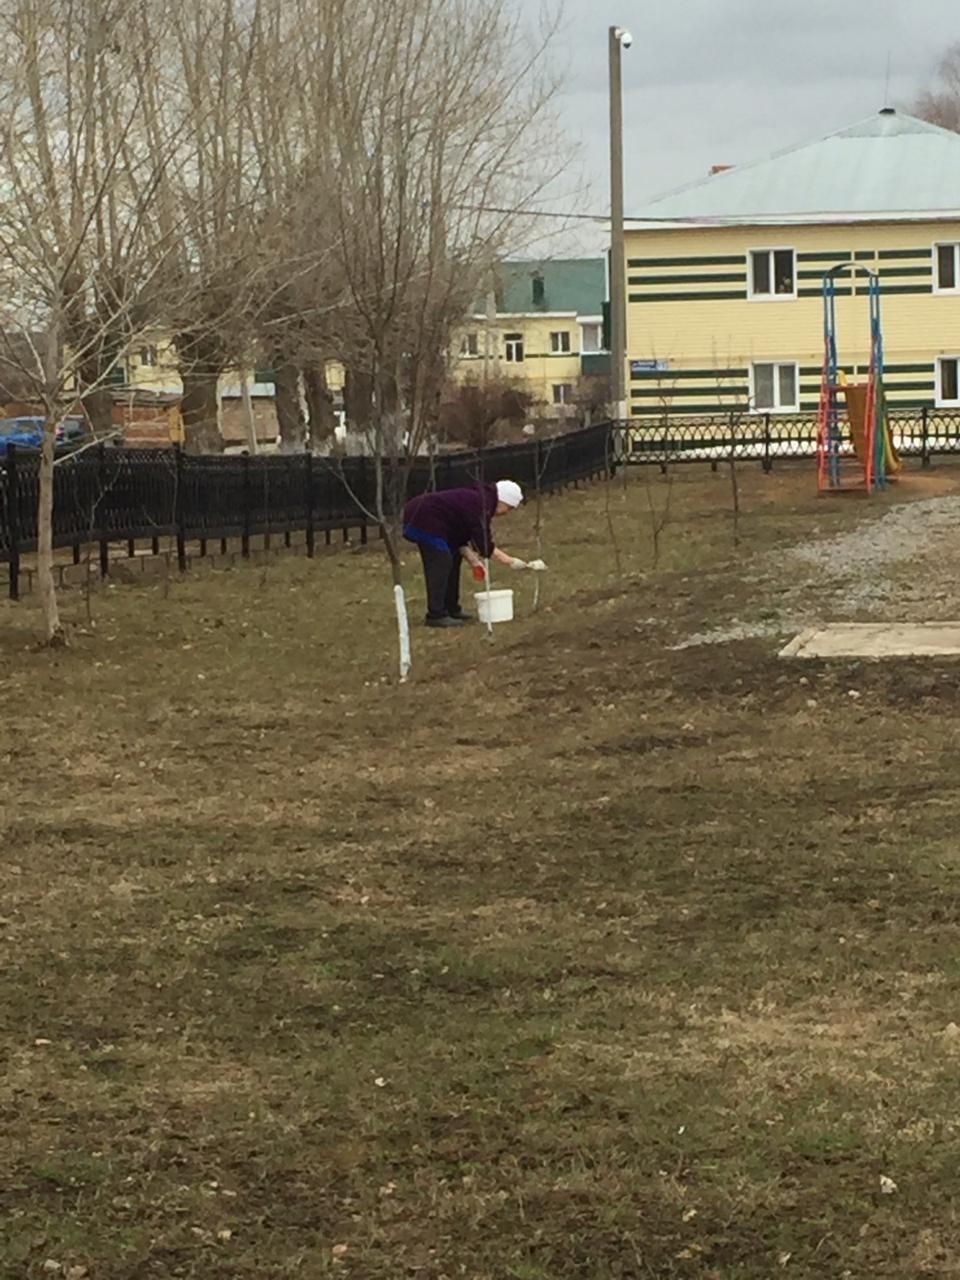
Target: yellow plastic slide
(855, 394)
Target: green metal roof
(565, 284)
(887, 167)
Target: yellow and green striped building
(724, 277)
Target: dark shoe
(461, 615)
(444, 622)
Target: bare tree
(321, 417)
(940, 104)
(734, 421)
(234, 63)
(17, 353)
(736, 408)
(80, 162)
(608, 479)
(472, 413)
(665, 382)
(542, 465)
(594, 398)
(659, 515)
(437, 123)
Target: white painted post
(403, 632)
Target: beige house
(542, 329)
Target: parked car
(27, 434)
(20, 432)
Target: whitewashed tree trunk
(249, 421)
(396, 573)
(403, 631)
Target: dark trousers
(441, 569)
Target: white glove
(517, 563)
(537, 566)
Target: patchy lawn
(582, 956)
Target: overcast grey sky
(726, 81)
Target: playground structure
(855, 449)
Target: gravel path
(904, 566)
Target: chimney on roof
(538, 289)
(719, 168)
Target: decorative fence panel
(670, 438)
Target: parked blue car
(27, 434)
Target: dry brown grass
(579, 957)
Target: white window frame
(557, 339)
(774, 296)
(511, 341)
(779, 408)
(471, 339)
(596, 325)
(559, 386)
(941, 403)
(935, 264)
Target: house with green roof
(541, 328)
(724, 276)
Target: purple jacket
(454, 517)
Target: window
(591, 337)
(948, 381)
(514, 347)
(946, 268)
(560, 342)
(148, 356)
(772, 273)
(563, 393)
(774, 387)
(470, 344)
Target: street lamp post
(619, 39)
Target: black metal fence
(670, 438)
(106, 495)
(114, 495)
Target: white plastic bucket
(494, 606)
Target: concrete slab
(877, 640)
